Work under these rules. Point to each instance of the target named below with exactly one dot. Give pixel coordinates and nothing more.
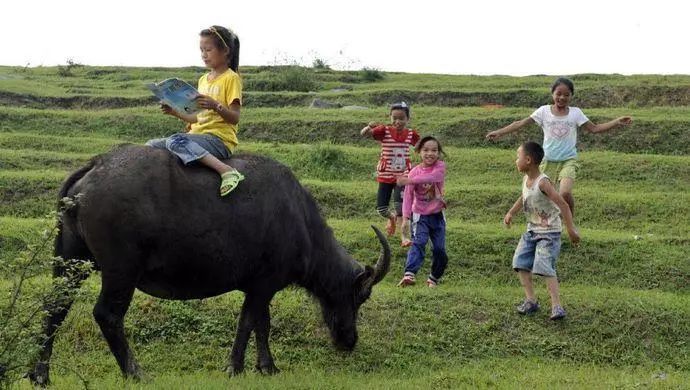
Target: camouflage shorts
(559, 170)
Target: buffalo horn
(384, 261)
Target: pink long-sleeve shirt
(424, 194)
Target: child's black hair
(224, 37)
(401, 106)
(534, 151)
(425, 139)
(564, 81)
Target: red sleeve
(378, 132)
(415, 137)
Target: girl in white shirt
(560, 122)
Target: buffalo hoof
(137, 376)
(268, 369)
(235, 371)
(134, 372)
(39, 376)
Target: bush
(21, 333)
(284, 78)
(326, 162)
(318, 63)
(371, 75)
(21, 309)
(66, 71)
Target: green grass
(626, 287)
(640, 193)
(478, 374)
(483, 252)
(111, 79)
(655, 131)
(609, 329)
(37, 144)
(608, 325)
(335, 162)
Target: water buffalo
(147, 222)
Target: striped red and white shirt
(395, 152)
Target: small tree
(23, 308)
(319, 63)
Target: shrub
(21, 310)
(327, 162)
(284, 78)
(318, 63)
(66, 71)
(371, 75)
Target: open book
(177, 94)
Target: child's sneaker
(407, 280)
(557, 313)
(431, 284)
(527, 307)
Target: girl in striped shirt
(394, 161)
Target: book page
(177, 94)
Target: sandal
(229, 181)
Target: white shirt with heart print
(560, 132)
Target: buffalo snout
(345, 340)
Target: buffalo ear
(363, 283)
(364, 276)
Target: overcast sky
(422, 36)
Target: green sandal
(230, 180)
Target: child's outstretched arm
(618, 122)
(547, 188)
(367, 129)
(515, 126)
(509, 215)
(437, 175)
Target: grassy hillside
(658, 130)
(626, 288)
(290, 85)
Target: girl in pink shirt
(423, 204)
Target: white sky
(421, 36)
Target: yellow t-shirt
(225, 89)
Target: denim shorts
(537, 253)
(191, 147)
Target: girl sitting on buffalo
(212, 133)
